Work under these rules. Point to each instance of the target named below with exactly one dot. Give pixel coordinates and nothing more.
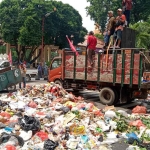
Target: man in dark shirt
(91, 47)
(127, 6)
(110, 28)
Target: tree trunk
(34, 59)
(18, 54)
(31, 53)
(23, 53)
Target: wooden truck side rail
(124, 67)
(117, 75)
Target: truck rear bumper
(145, 85)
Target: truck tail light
(137, 93)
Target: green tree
(99, 36)
(143, 34)
(98, 10)
(21, 23)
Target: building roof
(100, 43)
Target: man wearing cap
(120, 23)
(91, 47)
(110, 28)
(127, 6)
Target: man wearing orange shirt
(120, 23)
(91, 47)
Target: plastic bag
(98, 113)
(42, 135)
(110, 114)
(132, 137)
(50, 145)
(5, 138)
(81, 106)
(5, 114)
(32, 104)
(89, 107)
(29, 123)
(137, 123)
(77, 130)
(10, 147)
(65, 109)
(139, 110)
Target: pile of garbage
(46, 117)
(3, 57)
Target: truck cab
(55, 71)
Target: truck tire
(107, 96)
(58, 82)
(28, 78)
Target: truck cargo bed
(121, 67)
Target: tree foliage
(21, 23)
(143, 34)
(98, 10)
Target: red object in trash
(89, 107)
(32, 104)
(42, 135)
(98, 113)
(40, 113)
(139, 110)
(5, 114)
(10, 147)
(81, 106)
(137, 123)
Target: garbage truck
(118, 74)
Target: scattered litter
(46, 117)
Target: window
(56, 63)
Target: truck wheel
(107, 96)
(28, 78)
(11, 87)
(58, 82)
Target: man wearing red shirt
(127, 6)
(91, 47)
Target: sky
(80, 5)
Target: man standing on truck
(110, 28)
(23, 74)
(127, 6)
(120, 23)
(91, 47)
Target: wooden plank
(127, 51)
(128, 38)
